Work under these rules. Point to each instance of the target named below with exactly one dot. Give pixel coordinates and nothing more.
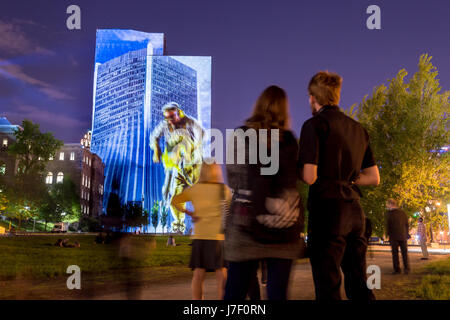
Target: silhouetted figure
(397, 229)
(334, 159)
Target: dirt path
(301, 288)
(174, 283)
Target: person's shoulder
(289, 137)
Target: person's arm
(308, 153)
(309, 173)
(178, 201)
(155, 136)
(368, 177)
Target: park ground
(32, 268)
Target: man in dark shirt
(334, 159)
(398, 231)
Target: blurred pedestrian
(208, 197)
(422, 233)
(334, 159)
(397, 229)
(265, 217)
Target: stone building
(86, 169)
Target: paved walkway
(301, 284)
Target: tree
(61, 203)
(164, 216)
(408, 124)
(154, 215)
(32, 150)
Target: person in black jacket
(397, 229)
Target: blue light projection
(132, 82)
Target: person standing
(209, 197)
(263, 201)
(397, 230)
(334, 159)
(422, 233)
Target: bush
(89, 224)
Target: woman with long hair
(265, 217)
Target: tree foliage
(26, 191)
(155, 214)
(408, 124)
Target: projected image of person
(181, 157)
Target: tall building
(129, 92)
(85, 169)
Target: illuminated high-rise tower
(132, 82)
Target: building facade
(129, 93)
(85, 169)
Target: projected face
(172, 116)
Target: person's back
(397, 225)
(342, 142)
(334, 159)
(397, 229)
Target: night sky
(46, 70)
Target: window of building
(83, 182)
(88, 196)
(100, 189)
(2, 168)
(89, 184)
(87, 209)
(61, 156)
(72, 156)
(5, 142)
(60, 177)
(49, 178)
(89, 162)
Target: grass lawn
(35, 257)
(431, 282)
(436, 284)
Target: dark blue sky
(46, 70)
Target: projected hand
(157, 155)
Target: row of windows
(85, 195)
(49, 178)
(85, 182)
(61, 156)
(85, 209)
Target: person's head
(324, 90)
(211, 173)
(172, 112)
(391, 204)
(271, 110)
(420, 219)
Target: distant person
(265, 217)
(208, 197)
(170, 241)
(422, 234)
(100, 239)
(334, 159)
(59, 242)
(397, 229)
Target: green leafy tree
(32, 150)
(407, 122)
(61, 203)
(154, 216)
(164, 218)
